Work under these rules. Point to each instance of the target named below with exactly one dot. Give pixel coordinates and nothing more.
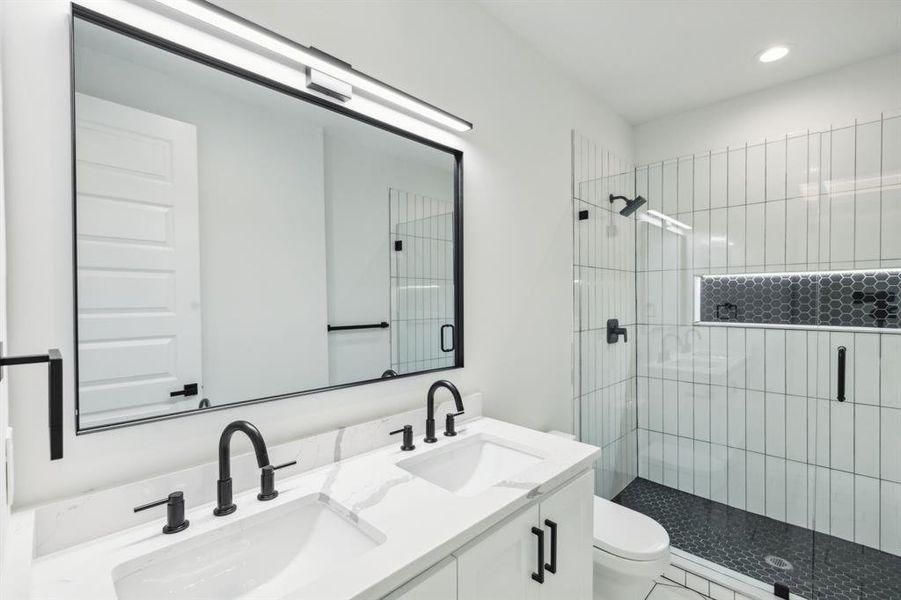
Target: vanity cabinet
(437, 583)
(500, 565)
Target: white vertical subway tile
(889, 373)
(891, 223)
(775, 232)
(796, 428)
(655, 248)
(842, 436)
(700, 411)
(819, 431)
(774, 362)
(719, 482)
(841, 174)
(643, 454)
(868, 157)
(796, 493)
(701, 181)
(867, 228)
(755, 416)
(841, 230)
(755, 359)
(670, 407)
(736, 478)
(700, 239)
(670, 187)
(866, 368)
(669, 301)
(655, 186)
(755, 238)
(655, 351)
(685, 360)
(686, 184)
(701, 346)
(890, 522)
(719, 415)
(671, 347)
(796, 167)
(718, 237)
(825, 356)
(866, 511)
(737, 418)
(796, 362)
(842, 505)
(891, 444)
(775, 170)
(685, 413)
(718, 173)
(671, 461)
(655, 456)
(686, 464)
(796, 221)
(820, 501)
(736, 176)
(736, 357)
(756, 174)
(775, 488)
(655, 404)
(701, 468)
(654, 300)
(866, 440)
(756, 485)
(735, 246)
(719, 357)
(775, 424)
(891, 151)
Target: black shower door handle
(840, 384)
(453, 340)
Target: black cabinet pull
(539, 576)
(453, 341)
(552, 566)
(842, 352)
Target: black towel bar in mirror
(54, 361)
(382, 325)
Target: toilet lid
(627, 533)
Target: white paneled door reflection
(138, 267)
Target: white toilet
(630, 551)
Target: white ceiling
(650, 58)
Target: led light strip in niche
(867, 299)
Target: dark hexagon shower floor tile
(824, 567)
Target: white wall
(835, 98)
(357, 180)
(262, 215)
(4, 398)
(518, 227)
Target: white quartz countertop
(418, 522)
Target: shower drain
(778, 562)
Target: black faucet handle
(450, 429)
(407, 444)
(175, 511)
(267, 481)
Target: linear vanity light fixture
(314, 60)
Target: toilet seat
(628, 534)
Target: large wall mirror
(237, 242)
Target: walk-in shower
(755, 410)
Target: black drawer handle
(552, 566)
(539, 576)
(842, 352)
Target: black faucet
(224, 504)
(430, 407)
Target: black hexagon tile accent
(835, 299)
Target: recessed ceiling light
(773, 54)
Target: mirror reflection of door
(422, 282)
(138, 261)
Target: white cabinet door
(138, 261)
(499, 566)
(570, 512)
(437, 583)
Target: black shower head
(631, 205)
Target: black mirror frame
(87, 15)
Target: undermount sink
(262, 556)
(471, 466)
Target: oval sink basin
(471, 466)
(263, 556)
